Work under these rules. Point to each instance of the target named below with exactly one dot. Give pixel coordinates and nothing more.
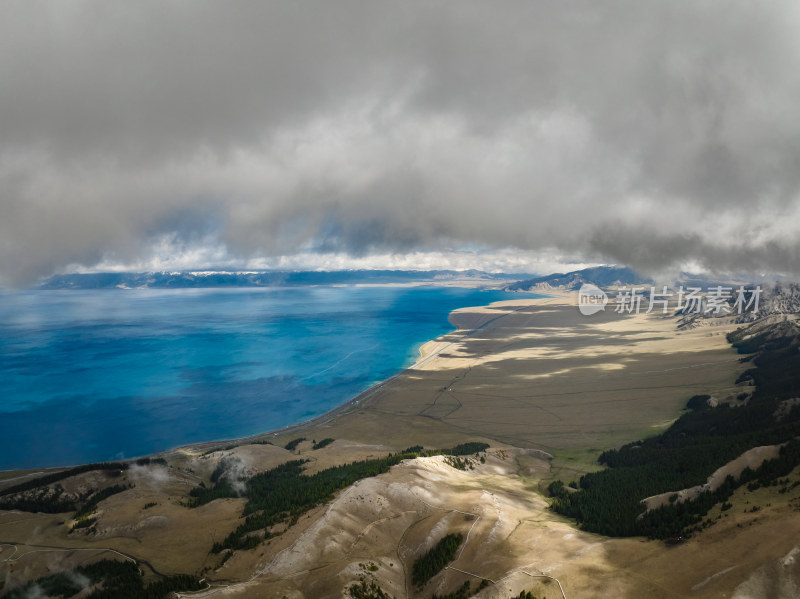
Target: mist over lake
(93, 375)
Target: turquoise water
(111, 374)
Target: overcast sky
(508, 135)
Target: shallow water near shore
(112, 374)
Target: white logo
(591, 299)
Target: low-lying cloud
(654, 134)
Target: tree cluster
(322, 443)
(291, 445)
(431, 563)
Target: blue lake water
(110, 374)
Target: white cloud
(344, 134)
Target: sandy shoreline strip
(428, 351)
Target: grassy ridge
(38, 496)
(699, 442)
(91, 504)
(284, 493)
(64, 474)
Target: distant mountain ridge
(602, 276)
(206, 279)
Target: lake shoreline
(424, 350)
(351, 404)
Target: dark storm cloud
(656, 134)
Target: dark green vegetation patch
(698, 402)
(430, 564)
(367, 588)
(54, 501)
(323, 443)
(291, 445)
(467, 449)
